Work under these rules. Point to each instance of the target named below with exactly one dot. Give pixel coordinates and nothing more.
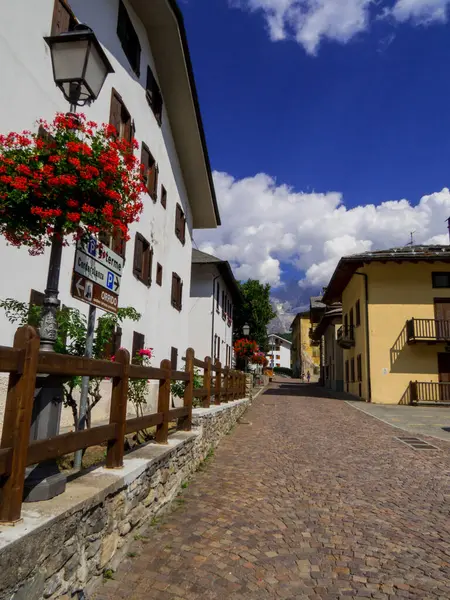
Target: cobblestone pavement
(312, 499)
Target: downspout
(213, 358)
(366, 293)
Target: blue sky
(358, 105)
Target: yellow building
(396, 323)
(304, 356)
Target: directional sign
(94, 270)
(102, 254)
(94, 294)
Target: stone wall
(65, 544)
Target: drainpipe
(213, 358)
(366, 293)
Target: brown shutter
(174, 358)
(61, 18)
(115, 114)
(145, 158)
(183, 228)
(159, 273)
(163, 197)
(127, 125)
(118, 243)
(117, 338)
(150, 266)
(138, 344)
(138, 255)
(152, 184)
(37, 298)
(180, 294)
(174, 290)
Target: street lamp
(246, 329)
(80, 67)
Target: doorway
(442, 317)
(444, 376)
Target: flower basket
(72, 178)
(245, 348)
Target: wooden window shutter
(37, 298)
(163, 197)
(138, 344)
(180, 294)
(174, 289)
(183, 228)
(128, 126)
(138, 255)
(63, 19)
(115, 114)
(152, 184)
(150, 266)
(174, 358)
(118, 243)
(117, 338)
(159, 274)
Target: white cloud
(310, 22)
(265, 224)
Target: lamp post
(80, 67)
(246, 332)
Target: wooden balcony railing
(427, 330)
(429, 392)
(346, 337)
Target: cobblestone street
(308, 498)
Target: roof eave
(164, 24)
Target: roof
(332, 312)
(167, 36)
(280, 336)
(349, 264)
(224, 268)
(316, 302)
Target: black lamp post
(80, 67)
(246, 332)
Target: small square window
(143, 258)
(159, 274)
(441, 280)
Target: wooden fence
(25, 361)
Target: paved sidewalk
(422, 420)
(311, 500)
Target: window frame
(217, 296)
(352, 370)
(359, 367)
(180, 223)
(358, 313)
(150, 172)
(138, 344)
(154, 96)
(125, 127)
(159, 274)
(177, 292)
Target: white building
(214, 294)
(151, 93)
(279, 354)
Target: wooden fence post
(218, 382)
(17, 423)
(162, 430)
(206, 403)
(118, 412)
(186, 423)
(226, 372)
(235, 385)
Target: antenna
(411, 242)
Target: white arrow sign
(80, 287)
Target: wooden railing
(427, 330)
(25, 361)
(429, 391)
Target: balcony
(346, 337)
(428, 392)
(431, 331)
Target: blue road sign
(110, 281)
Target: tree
(256, 310)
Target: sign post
(96, 277)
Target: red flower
(72, 203)
(54, 159)
(74, 217)
(87, 208)
(24, 169)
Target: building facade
(279, 354)
(214, 295)
(305, 354)
(150, 95)
(325, 333)
(396, 323)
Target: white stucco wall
(28, 93)
(205, 321)
(284, 352)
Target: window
(163, 197)
(180, 224)
(223, 304)
(358, 313)
(177, 291)
(129, 39)
(215, 346)
(138, 344)
(351, 320)
(159, 274)
(347, 371)
(115, 241)
(120, 118)
(352, 369)
(143, 258)
(345, 325)
(174, 358)
(217, 296)
(278, 357)
(153, 95)
(218, 348)
(113, 344)
(63, 18)
(441, 280)
(150, 172)
(359, 367)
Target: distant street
(308, 498)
